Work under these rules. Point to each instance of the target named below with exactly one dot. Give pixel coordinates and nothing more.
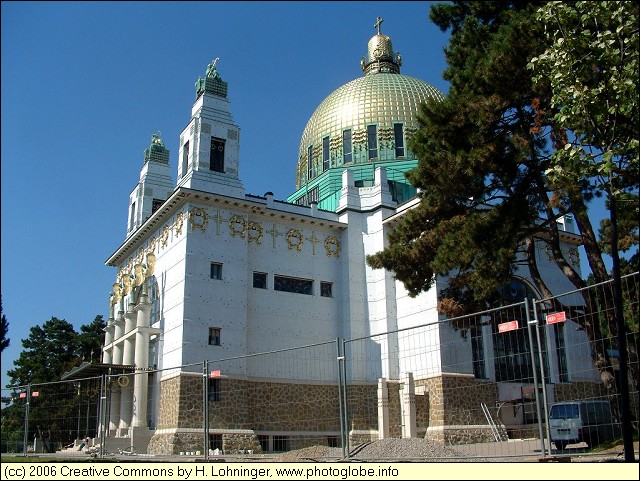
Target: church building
(208, 271)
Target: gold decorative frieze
(164, 237)
(275, 233)
(295, 239)
(332, 246)
(574, 256)
(198, 218)
(177, 225)
(254, 232)
(237, 226)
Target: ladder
(494, 428)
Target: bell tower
(209, 155)
(154, 187)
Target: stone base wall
(362, 402)
(578, 390)
(461, 435)
(175, 443)
(455, 411)
(232, 443)
(448, 411)
(254, 407)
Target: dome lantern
(380, 56)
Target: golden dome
(382, 97)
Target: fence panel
(484, 384)
(50, 417)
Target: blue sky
(86, 84)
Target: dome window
(398, 137)
(310, 162)
(372, 141)
(347, 154)
(325, 153)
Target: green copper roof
(156, 152)
(212, 82)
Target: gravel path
(412, 449)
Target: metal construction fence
(483, 385)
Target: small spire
(379, 21)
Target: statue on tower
(212, 81)
(212, 72)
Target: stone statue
(151, 264)
(126, 284)
(139, 275)
(212, 72)
(117, 293)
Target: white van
(582, 421)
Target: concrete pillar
(141, 381)
(107, 354)
(126, 392)
(408, 406)
(116, 358)
(383, 409)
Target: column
(141, 381)
(126, 392)
(408, 406)
(116, 358)
(107, 354)
(383, 409)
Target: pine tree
(486, 199)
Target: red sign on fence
(508, 326)
(23, 394)
(556, 317)
(35, 393)
(215, 373)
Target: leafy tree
(4, 329)
(592, 66)
(485, 154)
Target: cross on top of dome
(378, 23)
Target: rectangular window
(293, 284)
(398, 137)
(132, 216)
(185, 158)
(325, 154)
(215, 441)
(347, 153)
(326, 289)
(214, 336)
(217, 155)
(216, 270)
(333, 441)
(561, 354)
(312, 195)
(280, 443)
(512, 356)
(155, 205)
(214, 389)
(477, 350)
(264, 442)
(372, 141)
(310, 162)
(260, 280)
